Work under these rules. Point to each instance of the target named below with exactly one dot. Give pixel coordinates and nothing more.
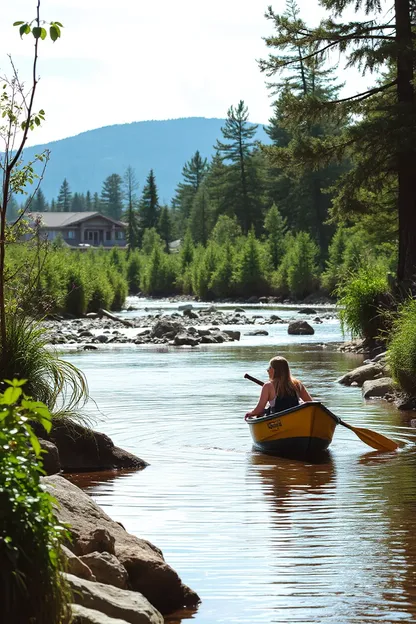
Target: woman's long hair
(284, 383)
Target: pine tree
(88, 202)
(64, 198)
(38, 203)
(149, 210)
(237, 151)
(193, 174)
(275, 227)
(200, 221)
(112, 197)
(383, 137)
(96, 203)
(130, 188)
(165, 227)
(78, 202)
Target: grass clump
(32, 589)
(402, 347)
(55, 382)
(362, 297)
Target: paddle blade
(372, 438)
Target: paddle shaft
(372, 438)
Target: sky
(135, 60)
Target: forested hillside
(88, 158)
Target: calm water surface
(261, 539)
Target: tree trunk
(406, 153)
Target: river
(261, 539)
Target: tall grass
(402, 347)
(361, 297)
(55, 382)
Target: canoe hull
(305, 429)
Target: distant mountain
(87, 159)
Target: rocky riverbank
(185, 327)
(374, 379)
(111, 573)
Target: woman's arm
(264, 398)
(304, 394)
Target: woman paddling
(282, 391)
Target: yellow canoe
(306, 428)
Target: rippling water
(261, 539)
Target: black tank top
(284, 403)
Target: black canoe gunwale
(253, 420)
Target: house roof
(66, 219)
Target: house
(80, 229)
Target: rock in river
(300, 328)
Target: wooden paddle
(373, 439)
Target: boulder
(361, 374)
(75, 566)
(186, 338)
(106, 569)
(82, 615)
(96, 540)
(50, 457)
(146, 568)
(81, 449)
(185, 306)
(233, 334)
(118, 603)
(307, 311)
(300, 328)
(377, 388)
(164, 326)
(191, 314)
(257, 332)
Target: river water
(261, 539)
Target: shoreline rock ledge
(93, 531)
(79, 449)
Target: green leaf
(16, 383)
(36, 31)
(24, 30)
(11, 395)
(34, 441)
(17, 23)
(43, 33)
(54, 33)
(58, 24)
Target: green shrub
(102, 294)
(362, 296)
(402, 347)
(32, 589)
(302, 271)
(77, 291)
(133, 273)
(249, 274)
(120, 290)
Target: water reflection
(261, 539)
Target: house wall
(95, 232)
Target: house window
(108, 235)
(119, 235)
(71, 234)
